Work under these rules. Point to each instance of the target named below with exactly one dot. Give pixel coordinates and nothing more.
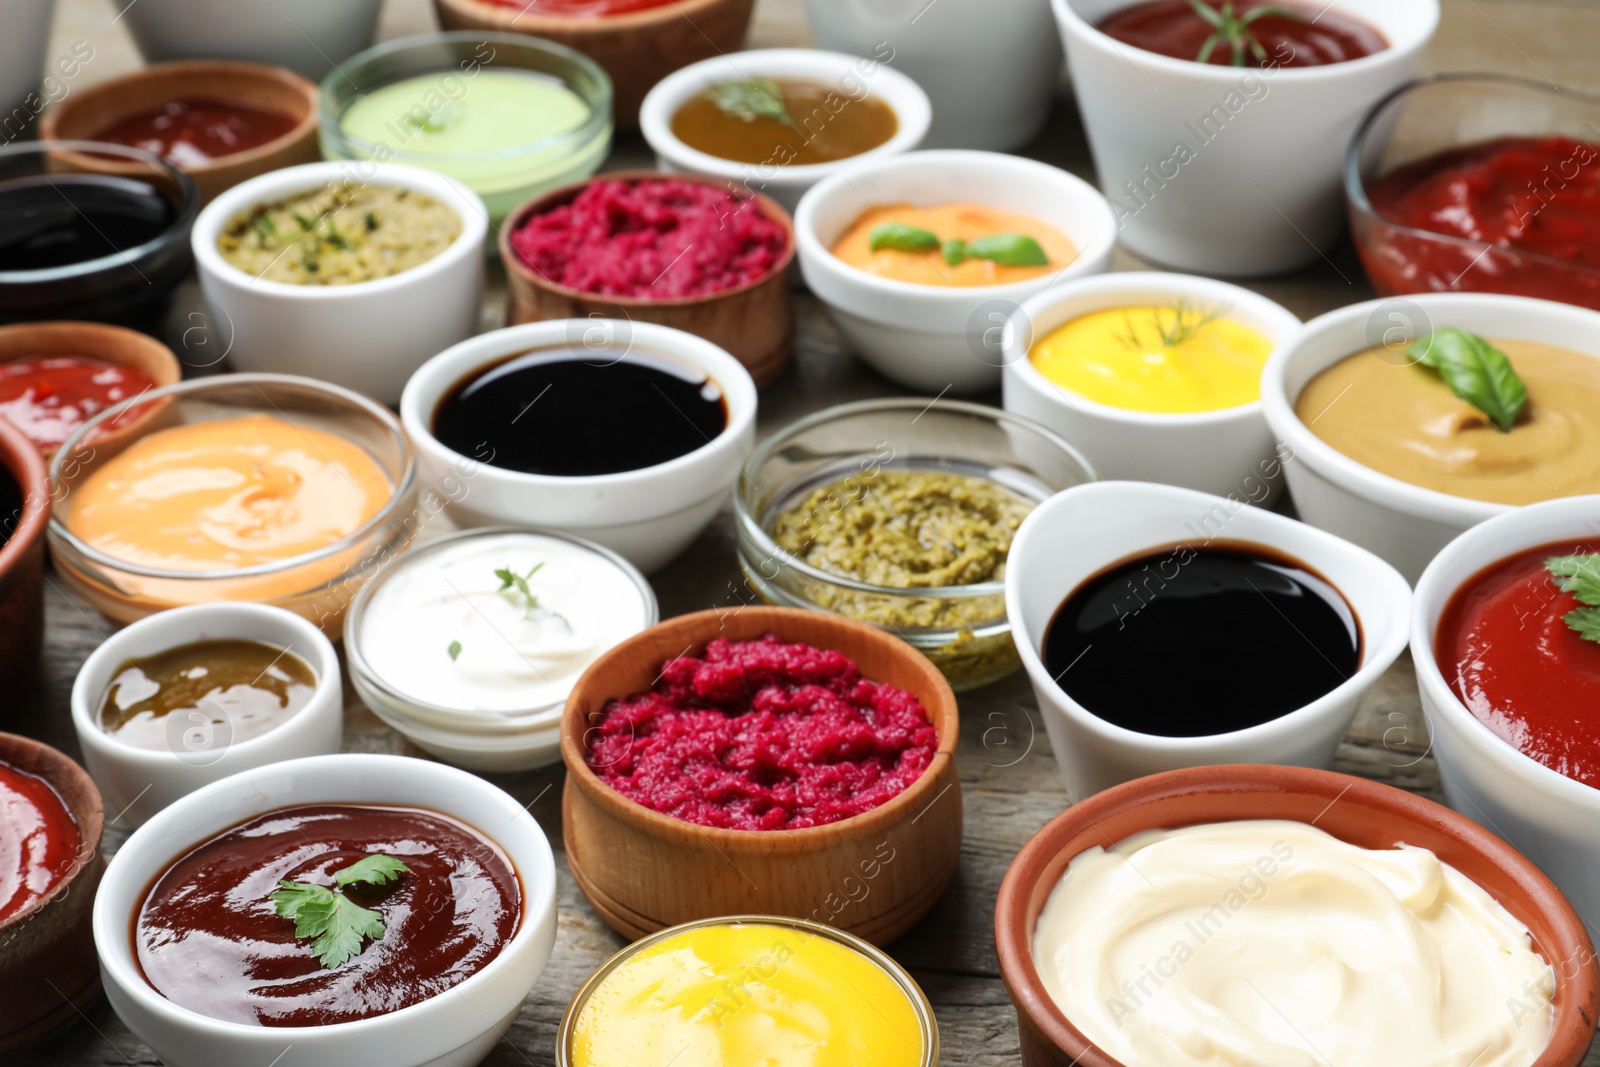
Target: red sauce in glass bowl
(579, 8)
(1519, 668)
(1319, 37)
(763, 735)
(49, 397)
(190, 132)
(39, 839)
(208, 935)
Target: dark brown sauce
(61, 219)
(1191, 641)
(571, 412)
(208, 937)
(824, 125)
(10, 505)
(1316, 36)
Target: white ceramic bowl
(953, 49)
(138, 782)
(646, 516)
(1547, 816)
(1079, 532)
(456, 1029)
(1229, 451)
(1404, 523)
(308, 36)
(852, 77)
(936, 338)
(368, 336)
(1256, 187)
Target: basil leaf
(1009, 250)
(1476, 371)
(954, 251)
(899, 237)
(751, 99)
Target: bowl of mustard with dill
(900, 513)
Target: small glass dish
(1443, 113)
(505, 176)
(316, 585)
(961, 628)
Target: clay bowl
(113, 344)
(754, 322)
(48, 969)
(22, 561)
(85, 113)
(872, 875)
(1356, 810)
(637, 50)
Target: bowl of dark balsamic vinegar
(1165, 628)
(103, 238)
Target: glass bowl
(506, 176)
(1438, 114)
(317, 585)
(961, 628)
(121, 280)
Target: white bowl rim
(818, 255)
(1444, 577)
(912, 108)
(1374, 659)
(216, 616)
(307, 177)
(477, 354)
(537, 899)
(1173, 283)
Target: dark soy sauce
(60, 219)
(564, 412)
(1192, 641)
(10, 506)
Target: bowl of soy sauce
(91, 231)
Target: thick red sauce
(1525, 674)
(209, 937)
(1522, 194)
(1320, 36)
(48, 398)
(763, 735)
(579, 8)
(190, 132)
(39, 840)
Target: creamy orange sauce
(227, 494)
(965, 222)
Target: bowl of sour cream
(470, 644)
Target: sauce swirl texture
(39, 840)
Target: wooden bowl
(114, 344)
(636, 50)
(22, 564)
(48, 969)
(85, 113)
(873, 875)
(753, 322)
(1355, 810)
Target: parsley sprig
(338, 924)
(1580, 576)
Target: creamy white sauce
(1273, 944)
(509, 655)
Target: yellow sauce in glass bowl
(1170, 359)
(962, 222)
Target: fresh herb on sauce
(1476, 371)
(1186, 322)
(751, 99)
(1580, 576)
(338, 923)
(454, 650)
(509, 578)
(1234, 30)
(898, 237)
(1006, 249)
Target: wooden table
(1009, 783)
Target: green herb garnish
(954, 251)
(265, 230)
(1009, 250)
(306, 222)
(338, 923)
(751, 99)
(1234, 30)
(1580, 576)
(454, 650)
(1476, 371)
(336, 240)
(1185, 322)
(370, 220)
(899, 237)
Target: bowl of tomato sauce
(1503, 635)
(1479, 183)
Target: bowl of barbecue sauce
(1165, 628)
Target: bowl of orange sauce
(257, 487)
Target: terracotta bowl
(114, 344)
(637, 50)
(22, 563)
(754, 322)
(1356, 810)
(872, 875)
(48, 969)
(85, 113)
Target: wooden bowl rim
(552, 198)
(523, 21)
(198, 69)
(57, 768)
(1573, 1027)
(939, 703)
(22, 459)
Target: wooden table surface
(1009, 782)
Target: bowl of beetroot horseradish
(761, 760)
